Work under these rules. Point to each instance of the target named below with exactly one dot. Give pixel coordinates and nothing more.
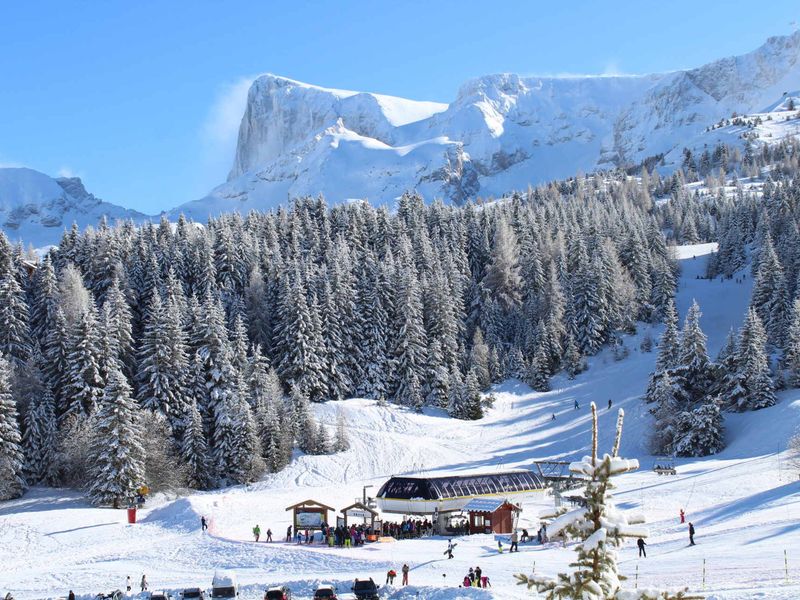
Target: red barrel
(132, 515)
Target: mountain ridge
(502, 131)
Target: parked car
(278, 593)
(365, 589)
(193, 594)
(159, 596)
(325, 592)
(224, 585)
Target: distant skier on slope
(691, 534)
(257, 532)
(641, 544)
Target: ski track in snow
(744, 502)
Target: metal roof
(484, 504)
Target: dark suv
(365, 589)
(278, 593)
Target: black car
(365, 589)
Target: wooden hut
(492, 515)
(310, 514)
(360, 512)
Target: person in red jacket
(683, 517)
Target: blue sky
(142, 99)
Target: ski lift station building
(451, 493)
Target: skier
(405, 574)
(256, 532)
(499, 546)
(128, 584)
(450, 547)
(269, 535)
(641, 544)
(691, 534)
(609, 404)
(478, 579)
(203, 524)
(544, 533)
(390, 575)
(467, 582)
(71, 595)
(144, 582)
(514, 542)
(577, 406)
(485, 582)
(683, 517)
(525, 537)
(289, 534)
(554, 417)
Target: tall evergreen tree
(12, 459)
(117, 456)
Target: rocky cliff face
(35, 208)
(501, 132)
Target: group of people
(391, 574)
(476, 578)
(408, 528)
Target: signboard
(357, 514)
(308, 519)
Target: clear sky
(143, 99)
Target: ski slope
(744, 502)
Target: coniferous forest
(184, 355)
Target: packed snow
(744, 502)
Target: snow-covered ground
(744, 502)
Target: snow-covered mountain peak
(502, 132)
(282, 114)
(35, 208)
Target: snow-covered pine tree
(15, 340)
(163, 363)
(194, 449)
(12, 458)
(769, 297)
(438, 377)
(666, 412)
(791, 349)
(692, 375)
(410, 345)
(479, 360)
(472, 397)
(538, 372)
(700, 432)
(502, 277)
(83, 385)
(752, 383)
(341, 442)
(601, 529)
(574, 362)
(117, 458)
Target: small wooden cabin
(310, 514)
(492, 515)
(359, 513)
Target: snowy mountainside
(36, 208)
(502, 132)
(778, 122)
(744, 502)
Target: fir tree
(117, 457)
(83, 386)
(12, 459)
(601, 528)
(752, 384)
(791, 352)
(700, 432)
(194, 449)
(15, 341)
